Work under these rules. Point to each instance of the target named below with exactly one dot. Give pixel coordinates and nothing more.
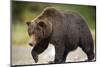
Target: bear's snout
(32, 42)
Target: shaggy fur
(65, 30)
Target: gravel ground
(22, 55)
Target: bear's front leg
(39, 48)
(34, 55)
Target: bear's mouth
(31, 44)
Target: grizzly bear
(65, 30)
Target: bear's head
(41, 27)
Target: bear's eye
(32, 32)
(41, 24)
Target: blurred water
(22, 55)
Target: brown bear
(65, 30)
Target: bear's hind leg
(65, 54)
(89, 52)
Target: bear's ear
(41, 24)
(28, 23)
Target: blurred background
(24, 11)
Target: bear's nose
(30, 44)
